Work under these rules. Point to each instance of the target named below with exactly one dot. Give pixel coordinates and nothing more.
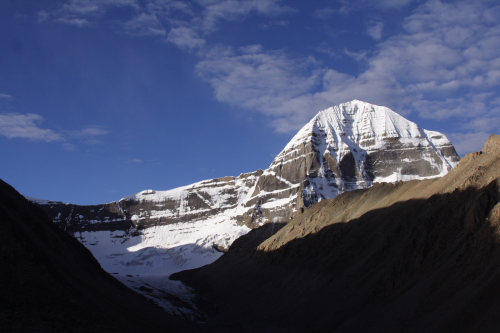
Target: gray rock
(346, 147)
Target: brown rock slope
(421, 256)
(49, 282)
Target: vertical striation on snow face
(149, 235)
(350, 146)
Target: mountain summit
(151, 234)
(354, 145)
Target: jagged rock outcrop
(417, 256)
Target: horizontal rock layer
(349, 146)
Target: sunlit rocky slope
(417, 256)
(346, 147)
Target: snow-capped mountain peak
(151, 234)
(355, 144)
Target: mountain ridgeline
(145, 237)
(363, 223)
(346, 147)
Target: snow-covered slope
(354, 145)
(145, 237)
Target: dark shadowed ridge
(52, 283)
(421, 256)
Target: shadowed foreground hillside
(421, 256)
(49, 282)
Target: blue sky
(100, 99)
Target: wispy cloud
(251, 49)
(88, 135)
(185, 38)
(358, 56)
(83, 13)
(328, 50)
(145, 25)
(468, 142)
(445, 48)
(26, 126)
(375, 29)
(258, 81)
(274, 25)
(348, 6)
(134, 160)
(325, 13)
(184, 24)
(216, 11)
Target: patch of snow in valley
(144, 260)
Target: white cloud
(94, 7)
(26, 126)
(374, 30)
(185, 24)
(215, 11)
(287, 89)
(466, 143)
(83, 13)
(91, 131)
(74, 21)
(327, 50)
(43, 16)
(445, 48)
(5, 96)
(69, 146)
(87, 135)
(324, 13)
(258, 81)
(358, 56)
(88, 132)
(185, 38)
(348, 6)
(168, 8)
(251, 49)
(438, 56)
(274, 25)
(146, 24)
(393, 3)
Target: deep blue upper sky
(100, 99)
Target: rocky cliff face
(346, 147)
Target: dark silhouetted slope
(52, 283)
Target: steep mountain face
(417, 256)
(346, 147)
(52, 283)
